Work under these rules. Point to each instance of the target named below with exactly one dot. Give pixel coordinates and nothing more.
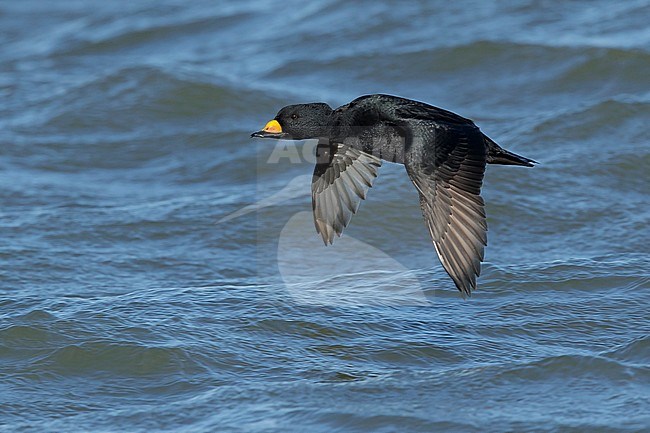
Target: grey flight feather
(449, 183)
(341, 180)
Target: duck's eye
(294, 116)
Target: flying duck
(444, 154)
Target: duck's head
(298, 122)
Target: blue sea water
(159, 269)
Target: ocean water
(159, 270)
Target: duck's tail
(498, 155)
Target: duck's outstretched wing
(448, 175)
(342, 177)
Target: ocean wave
(636, 352)
(132, 34)
(118, 358)
(622, 118)
(128, 103)
(566, 367)
(560, 65)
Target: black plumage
(445, 156)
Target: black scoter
(445, 156)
